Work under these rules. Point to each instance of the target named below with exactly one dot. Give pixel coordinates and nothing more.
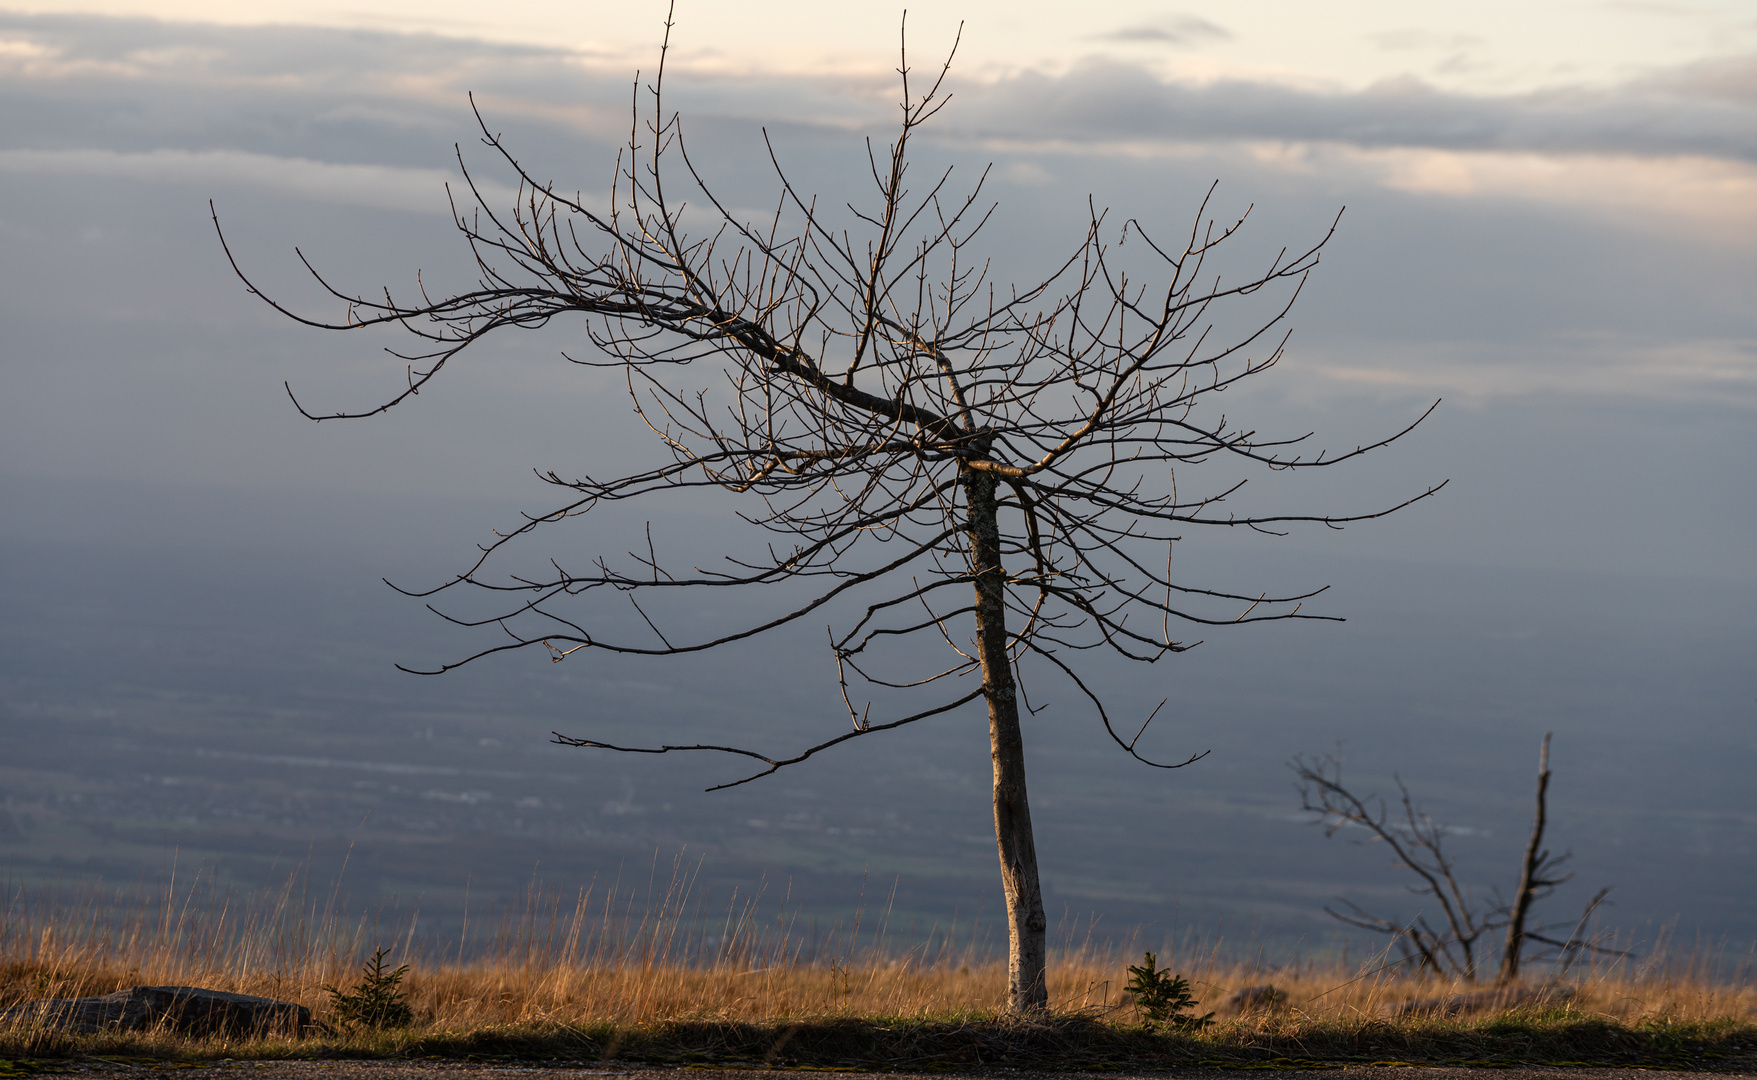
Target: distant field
(168, 708)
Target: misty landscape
(199, 654)
(155, 715)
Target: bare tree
(1537, 880)
(1418, 843)
(906, 429)
(1532, 871)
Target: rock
(188, 1010)
(1500, 997)
(1256, 997)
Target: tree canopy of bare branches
(934, 452)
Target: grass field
(658, 978)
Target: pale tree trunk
(1527, 873)
(1027, 989)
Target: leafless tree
(1418, 843)
(905, 428)
(1534, 871)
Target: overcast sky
(1551, 224)
(1483, 46)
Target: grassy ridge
(606, 980)
(1075, 1043)
(838, 1036)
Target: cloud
(1706, 111)
(136, 84)
(381, 187)
(1728, 80)
(1675, 150)
(1692, 371)
(1721, 194)
(367, 120)
(1170, 30)
(1409, 40)
(178, 78)
(1712, 200)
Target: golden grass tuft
(602, 975)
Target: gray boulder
(188, 1010)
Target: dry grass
(604, 975)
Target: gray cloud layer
(142, 85)
(1173, 30)
(127, 127)
(1709, 110)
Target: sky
(1576, 239)
(1550, 223)
(1491, 48)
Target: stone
(187, 1010)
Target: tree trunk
(1027, 989)
(1528, 872)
